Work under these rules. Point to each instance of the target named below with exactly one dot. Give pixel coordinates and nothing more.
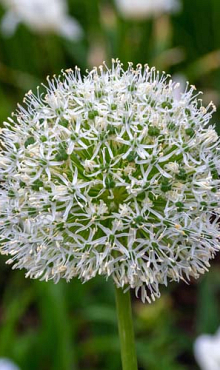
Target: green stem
(126, 331)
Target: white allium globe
(142, 9)
(206, 351)
(6, 364)
(41, 17)
(109, 174)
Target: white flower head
(206, 350)
(131, 200)
(40, 16)
(142, 9)
(6, 364)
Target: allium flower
(142, 9)
(110, 175)
(41, 16)
(6, 364)
(206, 350)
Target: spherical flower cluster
(206, 351)
(40, 16)
(142, 9)
(111, 175)
(6, 364)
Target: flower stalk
(126, 331)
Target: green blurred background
(73, 326)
